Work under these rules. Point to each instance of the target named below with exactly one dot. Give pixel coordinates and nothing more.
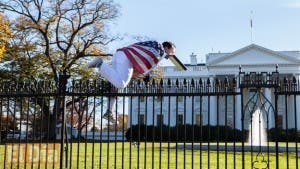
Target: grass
(153, 155)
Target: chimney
(193, 59)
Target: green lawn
(153, 155)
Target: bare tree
(63, 33)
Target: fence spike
(192, 83)
(184, 82)
(294, 80)
(285, 80)
(169, 82)
(177, 83)
(208, 82)
(161, 82)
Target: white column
(213, 107)
(298, 107)
(238, 107)
(291, 112)
(298, 111)
(238, 111)
(271, 117)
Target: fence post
(62, 97)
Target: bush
(181, 133)
(282, 135)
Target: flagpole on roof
(251, 26)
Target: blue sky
(202, 27)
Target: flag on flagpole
(251, 27)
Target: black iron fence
(244, 121)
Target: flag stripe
(141, 57)
(148, 52)
(135, 64)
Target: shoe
(108, 115)
(94, 63)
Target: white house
(252, 58)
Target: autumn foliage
(5, 34)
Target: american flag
(143, 55)
(152, 44)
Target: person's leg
(119, 75)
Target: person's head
(169, 48)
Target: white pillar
(238, 113)
(271, 117)
(238, 107)
(298, 111)
(213, 107)
(291, 112)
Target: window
(179, 119)
(142, 98)
(198, 119)
(160, 119)
(180, 98)
(141, 119)
(279, 121)
(159, 98)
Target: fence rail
(245, 121)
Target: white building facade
(204, 110)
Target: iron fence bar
(296, 126)
(208, 137)
(226, 132)
(72, 124)
(94, 129)
(63, 129)
(108, 136)
(66, 145)
(18, 161)
(130, 147)
(251, 129)
(234, 132)
(116, 128)
(123, 131)
(86, 138)
(101, 129)
(276, 129)
(48, 136)
(26, 144)
(34, 129)
(19, 138)
(201, 132)
(286, 131)
(153, 131)
(146, 131)
(193, 130)
(218, 131)
(185, 122)
(243, 127)
(1, 125)
(161, 123)
(177, 132)
(139, 132)
(268, 136)
(169, 129)
(1, 115)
